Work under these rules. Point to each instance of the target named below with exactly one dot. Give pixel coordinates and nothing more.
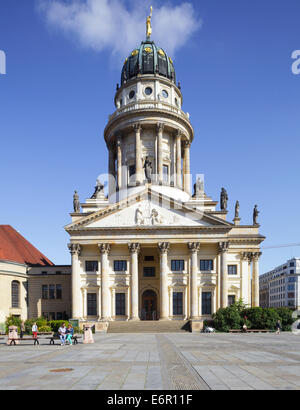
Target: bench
(251, 331)
(13, 340)
(56, 337)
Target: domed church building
(155, 249)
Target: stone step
(174, 326)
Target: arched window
(15, 294)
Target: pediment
(145, 210)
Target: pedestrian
(34, 330)
(22, 329)
(69, 333)
(62, 334)
(278, 327)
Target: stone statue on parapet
(148, 169)
(224, 199)
(198, 189)
(76, 202)
(237, 210)
(99, 191)
(255, 215)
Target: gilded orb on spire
(148, 24)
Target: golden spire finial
(148, 24)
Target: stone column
(164, 302)
(85, 302)
(223, 248)
(178, 159)
(134, 249)
(113, 302)
(75, 250)
(112, 171)
(138, 154)
(160, 129)
(104, 249)
(245, 278)
(187, 168)
(119, 160)
(194, 248)
(255, 279)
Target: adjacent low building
(30, 284)
(280, 286)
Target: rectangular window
(165, 173)
(206, 303)
(177, 303)
(44, 291)
(92, 304)
(291, 295)
(177, 265)
(232, 269)
(51, 291)
(231, 300)
(52, 316)
(149, 258)
(58, 292)
(120, 266)
(120, 304)
(149, 271)
(59, 316)
(58, 272)
(206, 265)
(91, 266)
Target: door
(149, 305)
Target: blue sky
(238, 87)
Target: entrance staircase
(170, 326)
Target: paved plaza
(157, 362)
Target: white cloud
(110, 25)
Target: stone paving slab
(157, 362)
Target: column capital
(223, 247)
(187, 143)
(104, 247)
(194, 246)
(134, 247)
(137, 127)
(75, 248)
(245, 256)
(160, 126)
(256, 256)
(178, 133)
(164, 247)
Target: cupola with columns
(149, 136)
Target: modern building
(152, 249)
(281, 286)
(24, 275)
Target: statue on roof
(255, 215)
(76, 202)
(199, 188)
(99, 190)
(237, 210)
(148, 169)
(224, 199)
(148, 24)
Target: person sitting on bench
(245, 328)
(70, 333)
(62, 334)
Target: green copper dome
(148, 59)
